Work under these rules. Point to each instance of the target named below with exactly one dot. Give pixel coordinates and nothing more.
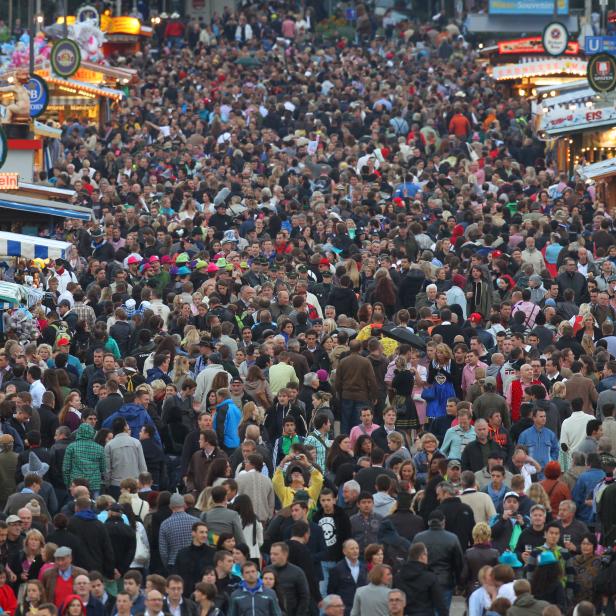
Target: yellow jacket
(286, 494)
(389, 344)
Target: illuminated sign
(555, 39)
(65, 57)
(527, 7)
(532, 45)
(9, 181)
(580, 119)
(540, 68)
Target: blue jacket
(583, 490)
(228, 435)
(136, 417)
(542, 445)
(258, 601)
(156, 373)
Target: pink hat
(154, 258)
(133, 259)
(165, 259)
(212, 268)
(322, 375)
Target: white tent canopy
(31, 247)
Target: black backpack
(605, 582)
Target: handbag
(142, 552)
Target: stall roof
(516, 24)
(561, 87)
(88, 88)
(22, 203)
(602, 169)
(30, 247)
(541, 66)
(116, 72)
(573, 96)
(52, 191)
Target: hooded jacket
(136, 417)
(84, 458)
(97, 553)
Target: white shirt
(573, 430)
(37, 389)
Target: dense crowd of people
(339, 338)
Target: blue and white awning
(30, 247)
(15, 201)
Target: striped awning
(30, 247)
(73, 100)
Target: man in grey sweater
(123, 457)
(219, 519)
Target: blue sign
(39, 95)
(527, 7)
(600, 44)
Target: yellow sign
(9, 181)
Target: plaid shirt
(175, 533)
(85, 313)
(315, 438)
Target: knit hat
(34, 507)
(459, 280)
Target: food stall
(603, 174)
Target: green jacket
(84, 458)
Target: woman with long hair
(252, 415)
(251, 527)
(181, 371)
(546, 583)
(479, 295)
(537, 493)
(34, 596)
(339, 453)
(363, 446)
(220, 381)
(385, 292)
(26, 563)
(219, 470)
(70, 414)
(205, 596)
(51, 382)
(257, 387)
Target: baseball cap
(13, 519)
(511, 495)
(475, 317)
(454, 464)
(490, 380)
